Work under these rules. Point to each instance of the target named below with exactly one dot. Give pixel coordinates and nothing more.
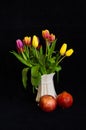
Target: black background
(67, 20)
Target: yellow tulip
(69, 52)
(63, 49)
(35, 41)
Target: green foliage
(24, 77)
(35, 75)
(38, 60)
(21, 59)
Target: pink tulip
(20, 45)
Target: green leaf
(52, 48)
(52, 60)
(34, 70)
(24, 77)
(26, 51)
(54, 68)
(41, 50)
(19, 57)
(35, 76)
(58, 68)
(36, 80)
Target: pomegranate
(47, 103)
(65, 99)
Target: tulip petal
(63, 49)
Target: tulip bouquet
(40, 58)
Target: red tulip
(45, 34)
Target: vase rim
(48, 74)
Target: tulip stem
(36, 53)
(24, 56)
(61, 59)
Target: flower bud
(51, 37)
(63, 49)
(69, 52)
(27, 40)
(45, 34)
(35, 41)
(20, 45)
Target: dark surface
(18, 109)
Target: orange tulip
(27, 40)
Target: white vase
(46, 86)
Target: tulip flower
(51, 38)
(40, 59)
(20, 45)
(63, 49)
(35, 41)
(45, 34)
(27, 40)
(69, 52)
